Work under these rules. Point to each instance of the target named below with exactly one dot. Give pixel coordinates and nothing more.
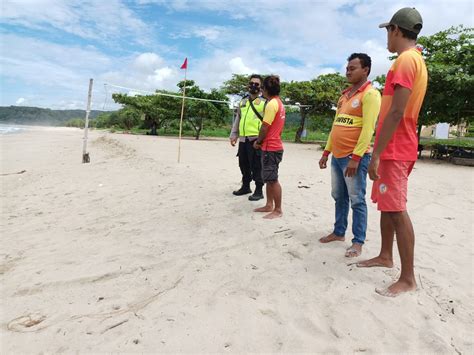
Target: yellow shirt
(354, 123)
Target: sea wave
(9, 129)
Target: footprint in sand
(9, 264)
(28, 323)
(271, 314)
(308, 326)
(253, 294)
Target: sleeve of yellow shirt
(270, 111)
(328, 145)
(370, 113)
(328, 148)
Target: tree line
(42, 116)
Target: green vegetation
(40, 116)
(75, 122)
(314, 98)
(223, 132)
(455, 142)
(163, 112)
(470, 132)
(449, 57)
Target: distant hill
(41, 116)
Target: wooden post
(85, 155)
(181, 120)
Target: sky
(50, 48)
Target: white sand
(168, 256)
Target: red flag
(185, 64)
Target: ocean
(10, 129)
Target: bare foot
(354, 251)
(274, 214)
(331, 238)
(376, 262)
(265, 208)
(397, 288)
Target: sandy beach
(137, 253)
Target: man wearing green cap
(396, 146)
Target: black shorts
(270, 163)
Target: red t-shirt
(274, 118)
(408, 71)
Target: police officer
(245, 129)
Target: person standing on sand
(269, 141)
(396, 146)
(245, 129)
(349, 143)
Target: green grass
(216, 132)
(288, 134)
(457, 142)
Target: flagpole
(182, 113)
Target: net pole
(85, 155)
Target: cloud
(84, 18)
(115, 42)
(20, 101)
(208, 33)
(218, 66)
(147, 62)
(60, 74)
(324, 71)
(71, 105)
(48, 74)
(237, 66)
(317, 34)
(43, 63)
(161, 75)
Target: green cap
(407, 18)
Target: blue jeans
(345, 189)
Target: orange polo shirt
(409, 71)
(354, 123)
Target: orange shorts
(389, 192)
